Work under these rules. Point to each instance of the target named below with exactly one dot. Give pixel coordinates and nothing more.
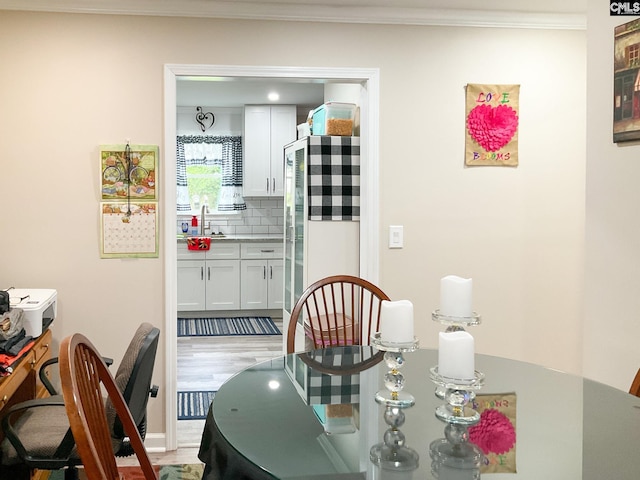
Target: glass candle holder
(456, 323)
(394, 381)
(457, 393)
(454, 457)
(453, 324)
(393, 453)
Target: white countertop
(240, 238)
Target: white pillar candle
(456, 355)
(396, 321)
(456, 296)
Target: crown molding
(308, 13)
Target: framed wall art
(128, 171)
(492, 117)
(626, 82)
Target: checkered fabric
(334, 178)
(334, 389)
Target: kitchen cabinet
(320, 240)
(267, 129)
(209, 280)
(262, 273)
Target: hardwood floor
(204, 363)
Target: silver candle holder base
(393, 453)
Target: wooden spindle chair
(83, 374)
(337, 311)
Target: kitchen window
(209, 171)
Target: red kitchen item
(198, 243)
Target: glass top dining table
(312, 416)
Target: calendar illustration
(129, 229)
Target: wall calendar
(129, 229)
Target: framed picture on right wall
(626, 82)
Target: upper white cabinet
(267, 129)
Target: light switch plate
(396, 236)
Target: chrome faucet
(203, 211)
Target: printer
(39, 305)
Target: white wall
(612, 303)
(73, 82)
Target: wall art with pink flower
(492, 125)
(495, 434)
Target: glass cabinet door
(298, 229)
(289, 155)
(294, 203)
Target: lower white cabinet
(262, 282)
(209, 280)
(231, 276)
(262, 273)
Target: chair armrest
(42, 373)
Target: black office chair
(37, 433)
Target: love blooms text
(500, 98)
(491, 156)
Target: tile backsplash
(262, 216)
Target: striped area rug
(194, 405)
(204, 327)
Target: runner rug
(205, 327)
(165, 472)
(194, 405)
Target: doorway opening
(369, 231)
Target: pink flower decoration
(492, 127)
(494, 433)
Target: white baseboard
(155, 442)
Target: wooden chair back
(84, 375)
(635, 385)
(337, 311)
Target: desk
(568, 428)
(24, 383)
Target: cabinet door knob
(264, 272)
(267, 184)
(271, 272)
(201, 273)
(267, 251)
(274, 185)
(208, 273)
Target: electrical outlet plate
(396, 236)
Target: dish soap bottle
(194, 225)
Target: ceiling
(514, 13)
(235, 92)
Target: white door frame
(369, 151)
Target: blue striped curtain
(228, 154)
